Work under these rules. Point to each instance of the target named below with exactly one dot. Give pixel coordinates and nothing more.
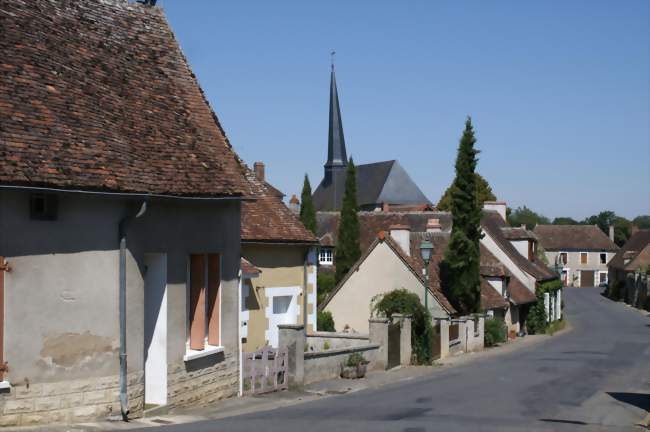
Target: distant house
(581, 251)
(378, 183)
(280, 255)
(633, 256)
(119, 218)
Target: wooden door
(586, 278)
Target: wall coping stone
(378, 320)
(291, 326)
(339, 351)
(339, 335)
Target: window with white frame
(603, 258)
(584, 257)
(564, 258)
(326, 256)
(602, 277)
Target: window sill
(196, 354)
(5, 385)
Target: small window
(563, 257)
(326, 256)
(603, 258)
(281, 304)
(205, 299)
(43, 207)
(603, 277)
(584, 257)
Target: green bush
(495, 331)
(325, 283)
(616, 290)
(404, 302)
(536, 322)
(325, 322)
(356, 359)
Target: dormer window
(326, 256)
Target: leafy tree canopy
(483, 193)
(565, 221)
(622, 226)
(642, 222)
(348, 249)
(525, 216)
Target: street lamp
(426, 248)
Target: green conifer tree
(462, 258)
(348, 249)
(307, 209)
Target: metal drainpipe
(304, 295)
(124, 400)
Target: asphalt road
(595, 377)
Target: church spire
(337, 158)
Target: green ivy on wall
(536, 322)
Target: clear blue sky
(558, 91)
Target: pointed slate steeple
(337, 158)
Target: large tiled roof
(634, 245)
(574, 238)
(371, 223)
(97, 95)
(268, 219)
(490, 298)
(493, 224)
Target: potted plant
(354, 367)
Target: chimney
(433, 226)
(499, 206)
(386, 207)
(611, 232)
(402, 236)
(294, 204)
(258, 167)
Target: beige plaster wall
(281, 266)
(381, 272)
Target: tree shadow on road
(640, 400)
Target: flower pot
(354, 372)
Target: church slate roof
(377, 183)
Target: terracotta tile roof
(490, 298)
(97, 95)
(268, 219)
(641, 261)
(248, 269)
(492, 224)
(512, 233)
(519, 294)
(370, 223)
(574, 238)
(634, 245)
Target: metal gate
(265, 370)
(394, 332)
(435, 342)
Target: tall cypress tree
(348, 249)
(307, 209)
(462, 258)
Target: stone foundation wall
(203, 381)
(69, 401)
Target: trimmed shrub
(325, 283)
(404, 302)
(495, 331)
(536, 322)
(325, 321)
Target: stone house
(633, 256)
(120, 218)
(281, 286)
(581, 251)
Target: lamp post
(425, 252)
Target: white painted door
(282, 308)
(155, 329)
